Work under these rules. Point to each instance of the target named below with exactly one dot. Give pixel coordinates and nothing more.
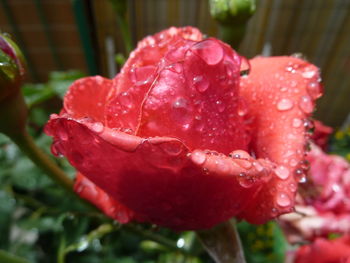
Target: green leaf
(263, 243)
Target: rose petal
(151, 49)
(140, 70)
(89, 191)
(87, 97)
(281, 92)
(158, 179)
(196, 99)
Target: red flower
(325, 251)
(324, 203)
(180, 140)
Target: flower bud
(11, 67)
(13, 110)
(232, 11)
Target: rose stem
(222, 242)
(26, 144)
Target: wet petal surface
(196, 100)
(87, 97)
(280, 99)
(158, 179)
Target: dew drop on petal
(245, 180)
(297, 122)
(284, 104)
(222, 166)
(283, 200)
(314, 90)
(293, 187)
(209, 50)
(97, 127)
(200, 83)
(126, 100)
(258, 166)
(142, 75)
(181, 112)
(220, 105)
(282, 172)
(198, 157)
(308, 74)
(176, 67)
(172, 148)
(306, 104)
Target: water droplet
(126, 100)
(221, 106)
(258, 166)
(181, 111)
(282, 172)
(284, 104)
(283, 199)
(297, 122)
(308, 74)
(290, 69)
(209, 50)
(200, 83)
(244, 163)
(293, 187)
(172, 148)
(142, 75)
(308, 124)
(306, 104)
(198, 157)
(97, 127)
(242, 108)
(302, 179)
(222, 166)
(177, 68)
(314, 90)
(245, 180)
(293, 162)
(127, 130)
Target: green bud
(13, 111)
(11, 67)
(232, 11)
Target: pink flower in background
(323, 206)
(325, 251)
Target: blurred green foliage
(340, 143)
(39, 222)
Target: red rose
(180, 140)
(325, 251)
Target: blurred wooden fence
(78, 34)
